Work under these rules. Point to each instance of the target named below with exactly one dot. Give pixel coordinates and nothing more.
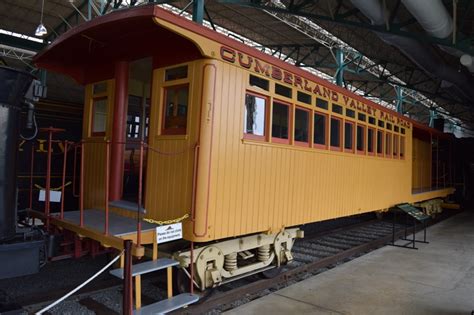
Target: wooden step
(168, 305)
(127, 205)
(146, 267)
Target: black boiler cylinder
(13, 86)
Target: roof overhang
(88, 52)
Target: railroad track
(312, 255)
(104, 298)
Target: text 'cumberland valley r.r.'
(273, 72)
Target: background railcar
(62, 115)
(247, 145)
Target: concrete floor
(438, 278)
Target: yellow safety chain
(54, 189)
(166, 222)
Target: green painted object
(412, 211)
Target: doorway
(138, 119)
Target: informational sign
(54, 196)
(414, 212)
(167, 233)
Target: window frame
(352, 114)
(325, 101)
(290, 89)
(165, 79)
(382, 144)
(290, 125)
(304, 94)
(250, 136)
(360, 115)
(254, 86)
(337, 106)
(175, 131)
(395, 144)
(301, 143)
(374, 144)
(364, 139)
(341, 123)
(93, 100)
(402, 141)
(326, 131)
(352, 123)
(388, 145)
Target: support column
(432, 117)
(340, 67)
(198, 11)
(43, 76)
(118, 129)
(399, 91)
(89, 10)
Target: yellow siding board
(216, 180)
(255, 186)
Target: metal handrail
(80, 145)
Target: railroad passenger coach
(180, 120)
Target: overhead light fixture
(41, 29)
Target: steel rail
(225, 298)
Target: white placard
(167, 233)
(54, 196)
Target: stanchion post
(191, 289)
(32, 165)
(140, 187)
(63, 182)
(81, 193)
(48, 178)
(127, 279)
(106, 197)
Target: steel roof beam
(209, 18)
(19, 42)
(394, 29)
(117, 4)
(64, 25)
(448, 98)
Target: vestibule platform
(120, 228)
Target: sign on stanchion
(54, 196)
(417, 215)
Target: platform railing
(79, 148)
(82, 147)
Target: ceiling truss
(371, 76)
